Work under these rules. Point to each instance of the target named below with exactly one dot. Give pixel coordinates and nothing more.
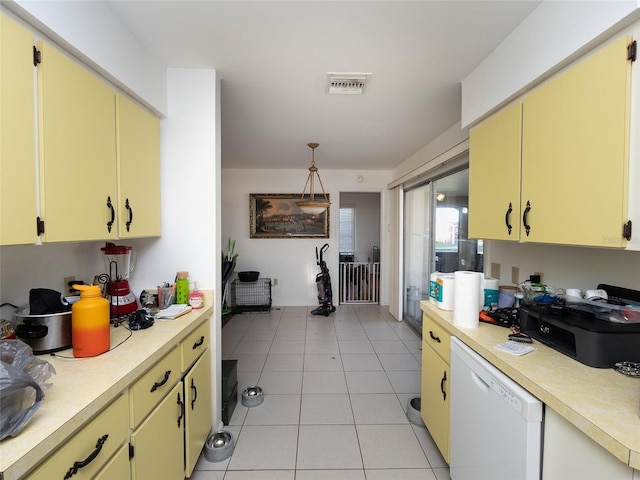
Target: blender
(120, 261)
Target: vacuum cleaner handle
(324, 248)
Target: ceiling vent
(346, 83)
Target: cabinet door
(197, 394)
(138, 171)
(18, 179)
(77, 152)
(575, 152)
(118, 467)
(158, 444)
(436, 377)
(494, 175)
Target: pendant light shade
(308, 202)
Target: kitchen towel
(467, 300)
(442, 290)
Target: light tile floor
(335, 394)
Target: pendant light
(309, 204)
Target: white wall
(293, 261)
(367, 221)
(554, 34)
(566, 267)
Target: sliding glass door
(435, 237)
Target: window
(347, 229)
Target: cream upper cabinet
(18, 180)
(575, 153)
(559, 157)
(494, 175)
(138, 148)
(77, 151)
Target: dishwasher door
(496, 425)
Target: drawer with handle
(436, 337)
(194, 345)
(151, 388)
(87, 451)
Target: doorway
(359, 267)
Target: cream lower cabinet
(118, 467)
(168, 438)
(568, 454)
(553, 165)
(436, 381)
(86, 453)
(198, 416)
(158, 444)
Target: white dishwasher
(496, 425)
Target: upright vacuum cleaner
(323, 283)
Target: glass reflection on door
(417, 252)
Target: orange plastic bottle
(90, 328)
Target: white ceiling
(273, 57)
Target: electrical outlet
(275, 282)
(541, 275)
(495, 270)
(515, 275)
(67, 286)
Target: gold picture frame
(276, 215)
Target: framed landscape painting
(276, 215)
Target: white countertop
(84, 386)
(602, 403)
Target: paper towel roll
(491, 289)
(442, 290)
(466, 302)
